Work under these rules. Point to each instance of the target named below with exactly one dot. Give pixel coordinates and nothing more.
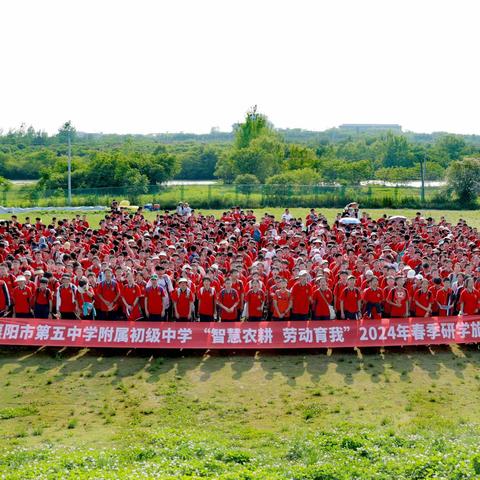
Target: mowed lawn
(398, 413)
(471, 216)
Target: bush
(463, 177)
(304, 176)
(246, 183)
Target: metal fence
(224, 196)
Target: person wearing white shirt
(286, 216)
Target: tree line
(255, 152)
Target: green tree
(226, 169)
(255, 125)
(396, 152)
(453, 146)
(198, 163)
(66, 130)
(246, 183)
(303, 176)
(161, 167)
(463, 178)
(299, 156)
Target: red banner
(233, 335)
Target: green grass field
(390, 414)
(314, 415)
(471, 216)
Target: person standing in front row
(227, 302)
(301, 297)
(43, 300)
(155, 301)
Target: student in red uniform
(66, 303)
(155, 300)
(373, 299)
(444, 299)
(43, 300)
(22, 298)
(351, 301)
(182, 299)
(206, 301)
(338, 289)
(108, 293)
(130, 294)
(282, 301)
(301, 297)
(227, 301)
(398, 299)
(5, 299)
(423, 300)
(469, 298)
(85, 300)
(386, 291)
(254, 302)
(322, 299)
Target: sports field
(398, 413)
(394, 413)
(471, 216)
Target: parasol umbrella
(349, 221)
(397, 218)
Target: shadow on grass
(121, 363)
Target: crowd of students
(189, 267)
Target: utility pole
(69, 168)
(422, 177)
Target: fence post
(209, 196)
(4, 196)
(182, 192)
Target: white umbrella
(397, 218)
(349, 221)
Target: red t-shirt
(283, 302)
(321, 301)
(255, 303)
(206, 301)
(443, 297)
(228, 299)
(22, 299)
(423, 298)
(470, 301)
(398, 296)
(66, 297)
(130, 293)
(155, 299)
(43, 296)
(301, 296)
(108, 291)
(183, 300)
(350, 299)
(373, 296)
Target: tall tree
(255, 125)
(463, 177)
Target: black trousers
(41, 311)
(107, 315)
(299, 316)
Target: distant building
(371, 127)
